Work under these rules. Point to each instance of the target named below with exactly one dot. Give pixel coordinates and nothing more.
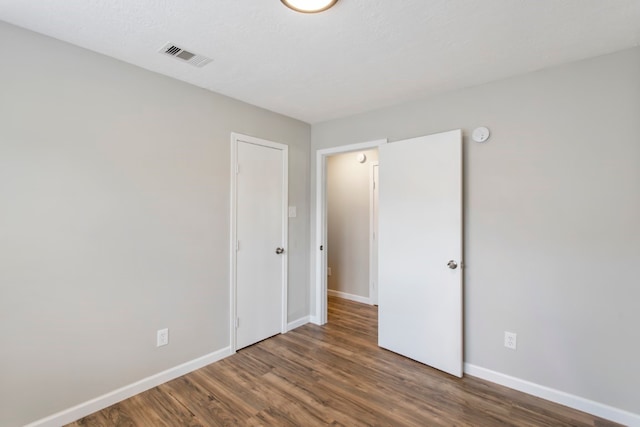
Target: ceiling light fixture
(309, 6)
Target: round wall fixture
(309, 6)
(362, 158)
(481, 134)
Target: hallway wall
(348, 222)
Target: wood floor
(331, 375)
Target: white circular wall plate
(480, 134)
(362, 157)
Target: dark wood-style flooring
(331, 375)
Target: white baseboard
(315, 320)
(557, 396)
(89, 407)
(350, 297)
(297, 323)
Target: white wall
(114, 184)
(552, 202)
(348, 222)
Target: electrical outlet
(162, 337)
(510, 340)
(328, 271)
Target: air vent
(184, 55)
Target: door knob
(279, 251)
(452, 265)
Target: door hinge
(237, 322)
(321, 247)
(237, 245)
(374, 185)
(237, 168)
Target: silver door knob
(452, 265)
(279, 251)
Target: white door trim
(235, 138)
(321, 222)
(373, 295)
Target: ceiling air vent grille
(184, 55)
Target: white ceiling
(358, 56)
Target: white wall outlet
(510, 340)
(328, 271)
(293, 212)
(162, 337)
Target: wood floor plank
(97, 419)
(203, 404)
(153, 408)
(332, 375)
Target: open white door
(420, 250)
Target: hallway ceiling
(358, 56)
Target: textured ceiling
(358, 56)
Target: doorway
(420, 251)
(259, 188)
(321, 221)
(350, 225)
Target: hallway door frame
(373, 232)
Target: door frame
(320, 317)
(373, 296)
(235, 138)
